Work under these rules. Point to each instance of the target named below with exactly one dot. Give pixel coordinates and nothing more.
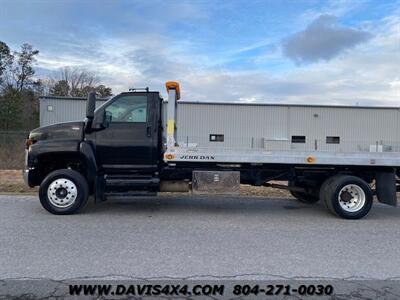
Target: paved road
(183, 237)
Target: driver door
(129, 142)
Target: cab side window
(128, 109)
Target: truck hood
(60, 131)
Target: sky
(311, 52)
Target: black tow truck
(126, 148)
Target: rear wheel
(64, 192)
(347, 196)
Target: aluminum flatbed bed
(259, 156)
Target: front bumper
(28, 175)
(25, 175)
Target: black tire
(80, 197)
(324, 188)
(303, 197)
(331, 188)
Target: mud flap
(386, 188)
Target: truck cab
(117, 146)
(126, 132)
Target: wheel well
(315, 178)
(50, 162)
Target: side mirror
(90, 107)
(106, 119)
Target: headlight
(29, 142)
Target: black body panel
(54, 140)
(86, 150)
(69, 131)
(128, 144)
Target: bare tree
(77, 82)
(77, 79)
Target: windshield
(104, 104)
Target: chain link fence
(12, 149)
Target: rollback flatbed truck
(126, 148)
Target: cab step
(132, 183)
(125, 186)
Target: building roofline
(287, 105)
(70, 98)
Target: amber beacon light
(174, 85)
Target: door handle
(148, 131)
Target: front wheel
(347, 196)
(64, 192)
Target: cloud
(323, 39)
(210, 64)
(369, 76)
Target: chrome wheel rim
(62, 193)
(351, 198)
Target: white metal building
(62, 109)
(265, 126)
(286, 127)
